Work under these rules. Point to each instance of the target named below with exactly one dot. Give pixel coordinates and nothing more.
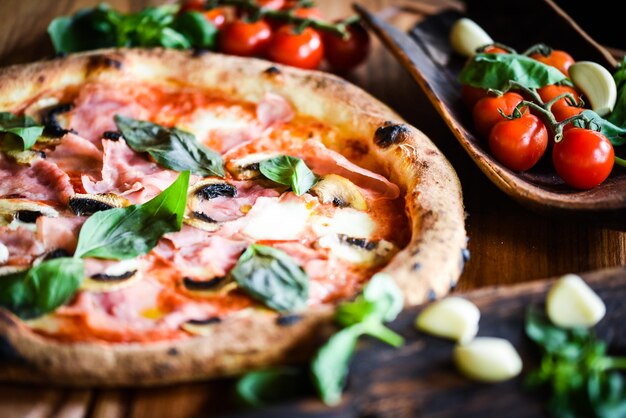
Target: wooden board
(426, 53)
(419, 379)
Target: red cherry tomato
(471, 95)
(486, 113)
(304, 50)
(561, 60)
(584, 158)
(192, 5)
(519, 143)
(495, 50)
(216, 16)
(344, 54)
(245, 38)
(271, 4)
(308, 12)
(551, 91)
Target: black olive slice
(88, 204)
(50, 122)
(109, 278)
(213, 190)
(27, 216)
(191, 284)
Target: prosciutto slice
(43, 180)
(76, 154)
(274, 109)
(21, 244)
(59, 233)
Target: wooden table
(508, 243)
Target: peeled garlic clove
(453, 317)
(597, 84)
(572, 303)
(466, 36)
(488, 359)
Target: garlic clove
(572, 303)
(466, 36)
(453, 317)
(488, 359)
(597, 84)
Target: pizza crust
(427, 268)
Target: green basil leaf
(200, 32)
(172, 148)
(263, 387)
(331, 364)
(170, 38)
(123, 233)
(493, 71)
(290, 171)
(41, 289)
(272, 277)
(381, 299)
(23, 127)
(614, 133)
(90, 28)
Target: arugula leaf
(42, 288)
(172, 148)
(493, 71)
(90, 28)
(123, 233)
(331, 363)
(290, 171)
(272, 277)
(261, 387)
(200, 32)
(23, 127)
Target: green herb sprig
(289, 171)
(581, 378)
(23, 128)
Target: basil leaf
(46, 286)
(381, 299)
(493, 71)
(200, 32)
(90, 28)
(331, 363)
(262, 387)
(615, 134)
(23, 127)
(290, 171)
(172, 148)
(272, 277)
(123, 233)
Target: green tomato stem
(620, 162)
(613, 363)
(542, 49)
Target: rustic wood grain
(508, 243)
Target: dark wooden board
(425, 52)
(419, 379)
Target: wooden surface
(508, 243)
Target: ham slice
(274, 109)
(21, 244)
(129, 174)
(59, 233)
(76, 154)
(43, 180)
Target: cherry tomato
(551, 91)
(308, 12)
(245, 38)
(584, 158)
(471, 95)
(495, 50)
(344, 54)
(486, 113)
(216, 16)
(271, 4)
(561, 60)
(519, 143)
(192, 5)
(304, 50)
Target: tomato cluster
(284, 43)
(518, 137)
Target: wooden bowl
(425, 52)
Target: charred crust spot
(198, 52)
(391, 133)
(203, 217)
(340, 203)
(452, 284)
(41, 79)
(286, 320)
(58, 253)
(211, 191)
(106, 278)
(416, 266)
(51, 124)
(273, 70)
(357, 149)
(465, 254)
(173, 351)
(27, 216)
(192, 284)
(112, 135)
(208, 321)
(98, 62)
(360, 243)
(432, 295)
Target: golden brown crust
(427, 267)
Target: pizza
(181, 216)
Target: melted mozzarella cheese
(346, 221)
(271, 219)
(206, 121)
